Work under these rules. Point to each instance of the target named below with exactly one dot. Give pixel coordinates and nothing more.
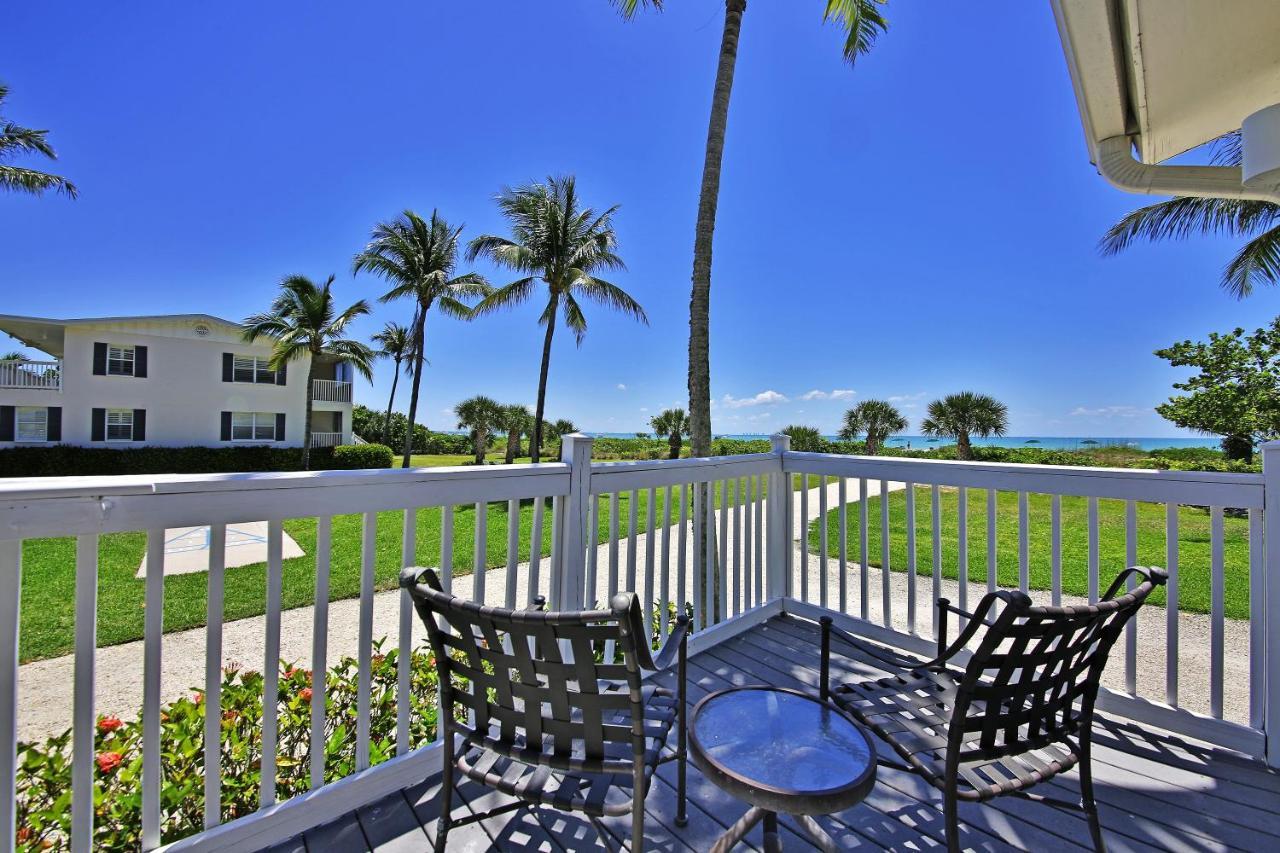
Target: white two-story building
(177, 381)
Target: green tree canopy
(673, 424)
(877, 419)
(965, 414)
(481, 415)
(805, 439)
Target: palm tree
(1257, 262)
(861, 22)
(878, 419)
(418, 259)
(556, 241)
(556, 431)
(16, 140)
(517, 421)
(674, 424)
(304, 323)
(396, 343)
(481, 415)
(961, 415)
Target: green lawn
(1193, 543)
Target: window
(248, 368)
(32, 423)
(119, 361)
(253, 426)
(119, 424)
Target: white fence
(46, 375)
(326, 439)
(330, 391)
(728, 538)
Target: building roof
(47, 334)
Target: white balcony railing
(39, 375)
(640, 526)
(326, 439)
(330, 391)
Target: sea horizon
(1045, 442)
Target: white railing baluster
(1257, 621)
(613, 564)
(480, 553)
(962, 558)
(404, 672)
(681, 562)
(804, 537)
(864, 583)
(823, 561)
(535, 549)
(271, 662)
(992, 502)
(664, 579)
(213, 676)
(722, 564)
(1131, 630)
(886, 605)
(651, 514)
(83, 722)
(761, 595)
(1171, 604)
(364, 682)
(558, 509)
(842, 498)
(153, 638)
(1217, 610)
(446, 579)
(1093, 550)
(633, 513)
(10, 625)
(320, 647)
(513, 550)
(736, 595)
(1024, 543)
(748, 535)
(593, 550)
(1055, 550)
(935, 524)
(910, 489)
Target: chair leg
(446, 797)
(637, 825)
(951, 813)
(1087, 802)
(682, 816)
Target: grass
(1193, 543)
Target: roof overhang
(48, 335)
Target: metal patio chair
(547, 720)
(1019, 712)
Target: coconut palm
(861, 22)
(517, 421)
(396, 343)
(419, 260)
(304, 323)
(1257, 262)
(16, 140)
(877, 419)
(481, 415)
(962, 415)
(556, 241)
(674, 424)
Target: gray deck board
(1155, 790)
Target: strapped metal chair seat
(1019, 712)
(548, 720)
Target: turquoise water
(1047, 442)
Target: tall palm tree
(396, 343)
(16, 140)
(861, 22)
(564, 245)
(674, 424)
(419, 260)
(481, 415)
(878, 419)
(517, 421)
(304, 323)
(961, 415)
(1257, 262)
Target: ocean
(1048, 442)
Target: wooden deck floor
(1157, 791)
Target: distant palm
(481, 415)
(16, 140)
(14, 356)
(418, 259)
(303, 322)
(961, 415)
(562, 244)
(556, 431)
(1257, 262)
(517, 421)
(877, 419)
(396, 343)
(674, 425)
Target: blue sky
(921, 224)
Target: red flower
(291, 672)
(198, 698)
(230, 715)
(24, 834)
(109, 724)
(378, 659)
(305, 694)
(108, 761)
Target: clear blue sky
(921, 224)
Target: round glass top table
(782, 751)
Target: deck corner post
(1269, 612)
(569, 582)
(778, 562)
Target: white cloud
(815, 394)
(835, 394)
(842, 394)
(764, 398)
(644, 408)
(760, 416)
(621, 387)
(1107, 412)
(908, 398)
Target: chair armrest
(977, 619)
(675, 646)
(539, 605)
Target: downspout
(1117, 164)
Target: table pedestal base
(772, 841)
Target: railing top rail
(654, 473)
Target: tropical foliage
(673, 425)
(304, 323)
(396, 343)
(877, 419)
(15, 141)
(557, 242)
(517, 422)
(963, 415)
(805, 439)
(479, 415)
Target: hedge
(61, 460)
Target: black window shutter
(99, 359)
(139, 424)
(98, 425)
(226, 426)
(280, 426)
(7, 417)
(228, 367)
(337, 421)
(140, 362)
(280, 374)
(53, 430)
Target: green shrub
(355, 456)
(806, 439)
(738, 446)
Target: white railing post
(568, 582)
(1269, 667)
(778, 564)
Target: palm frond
(508, 296)
(606, 293)
(17, 179)
(628, 8)
(1258, 262)
(862, 22)
(1183, 217)
(574, 318)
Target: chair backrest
(1034, 677)
(534, 681)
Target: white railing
(326, 439)
(726, 538)
(330, 391)
(40, 375)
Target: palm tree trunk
(513, 445)
(479, 442)
(963, 449)
(673, 445)
(535, 450)
(306, 421)
(872, 445)
(386, 422)
(418, 348)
